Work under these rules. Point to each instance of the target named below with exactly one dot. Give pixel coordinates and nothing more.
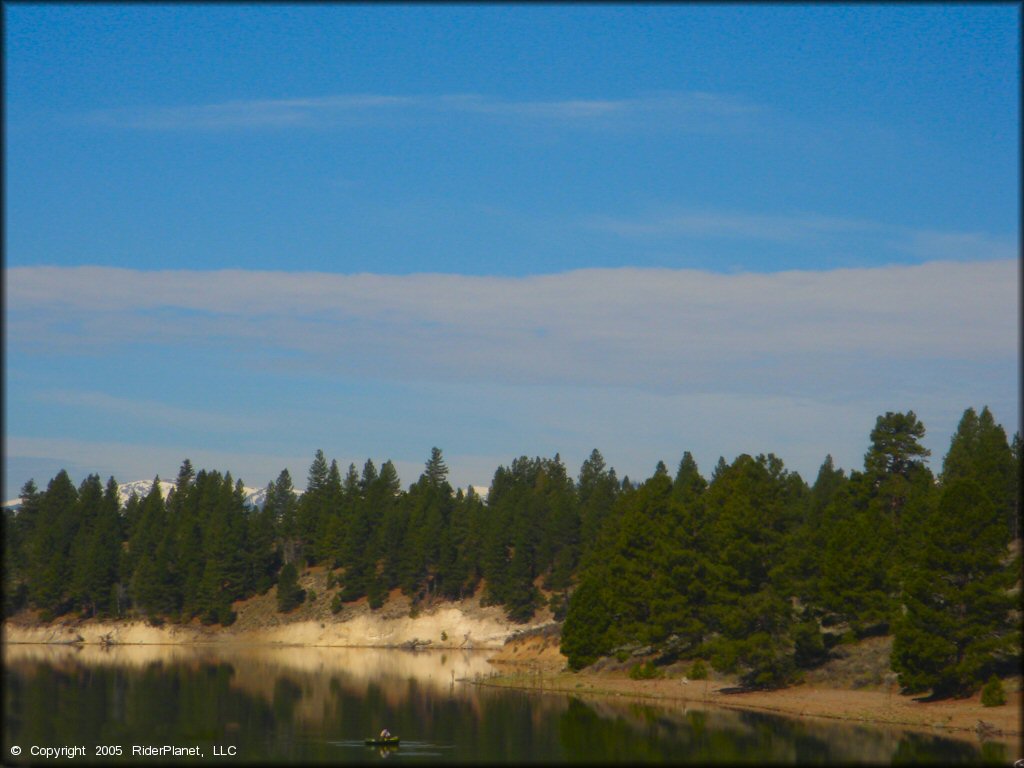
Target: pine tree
(896, 458)
(224, 545)
(50, 544)
(394, 520)
(184, 515)
(264, 555)
(88, 586)
(688, 485)
(957, 618)
(436, 469)
(312, 509)
(562, 531)
(283, 506)
(19, 528)
(586, 631)
(152, 556)
(643, 580)
(871, 527)
(363, 501)
(751, 507)
(857, 583)
(979, 451)
(597, 490)
(332, 527)
(895, 447)
(806, 548)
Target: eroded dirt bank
(464, 624)
(443, 628)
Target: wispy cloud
(133, 410)
(804, 229)
(728, 224)
(696, 110)
(934, 244)
(664, 329)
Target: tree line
(752, 569)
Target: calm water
(288, 705)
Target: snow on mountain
(254, 497)
(141, 488)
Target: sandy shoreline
(954, 718)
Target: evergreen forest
(751, 569)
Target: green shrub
(444, 636)
(621, 656)
(336, 604)
(311, 596)
(698, 671)
(993, 695)
(645, 671)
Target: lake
(258, 704)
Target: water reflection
(279, 705)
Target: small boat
(390, 741)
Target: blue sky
(242, 233)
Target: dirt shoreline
(953, 718)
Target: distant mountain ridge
(254, 497)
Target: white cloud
(135, 410)
(724, 224)
(934, 244)
(675, 329)
(697, 110)
(826, 233)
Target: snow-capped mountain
(141, 488)
(254, 497)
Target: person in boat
(385, 733)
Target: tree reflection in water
(281, 705)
